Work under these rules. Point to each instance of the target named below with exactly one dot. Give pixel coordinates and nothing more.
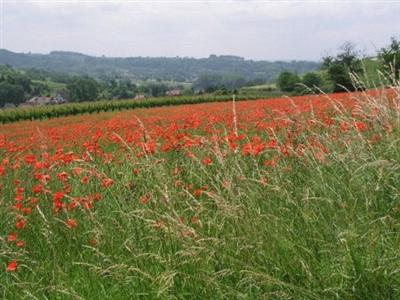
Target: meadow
(282, 198)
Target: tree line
(179, 69)
(17, 86)
(343, 72)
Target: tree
(208, 82)
(312, 81)
(11, 93)
(288, 81)
(157, 89)
(83, 89)
(341, 67)
(391, 57)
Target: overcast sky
(270, 30)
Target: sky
(259, 30)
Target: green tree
(287, 81)
(11, 93)
(312, 80)
(341, 67)
(83, 89)
(390, 57)
(208, 82)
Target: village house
(175, 92)
(40, 101)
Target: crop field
(72, 109)
(282, 198)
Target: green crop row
(47, 112)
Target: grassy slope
(53, 86)
(316, 226)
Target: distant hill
(163, 68)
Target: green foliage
(11, 76)
(212, 82)
(288, 81)
(391, 57)
(10, 93)
(142, 68)
(156, 89)
(341, 67)
(83, 89)
(312, 81)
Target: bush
(288, 81)
(391, 57)
(341, 67)
(313, 81)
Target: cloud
(253, 29)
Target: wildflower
(33, 201)
(67, 188)
(107, 182)
(58, 196)
(26, 210)
(21, 223)
(58, 204)
(12, 237)
(30, 159)
(272, 144)
(344, 127)
(96, 197)
(73, 205)
(361, 126)
(20, 244)
(12, 266)
(85, 180)
(19, 198)
(62, 176)
(159, 224)
(270, 163)
(37, 189)
(198, 193)
(145, 199)
(71, 223)
(77, 171)
(207, 161)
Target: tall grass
(321, 223)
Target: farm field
(283, 198)
(71, 109)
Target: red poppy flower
(12, 266)
(145, 199)
(71, 223)
(12, 237)
(58, 196)
(20, 244)
(207, 161)
(85, 180)
(107, 182)
(63, 176)
(37, 189)
(20, 224)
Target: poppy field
(282, 198)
